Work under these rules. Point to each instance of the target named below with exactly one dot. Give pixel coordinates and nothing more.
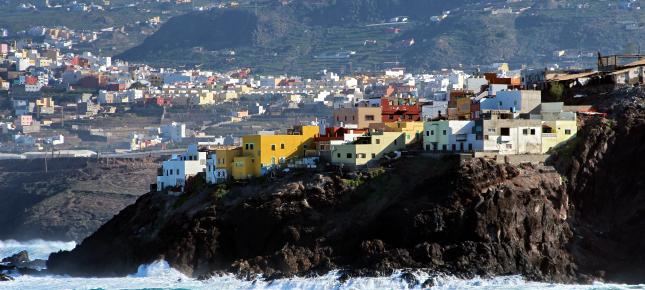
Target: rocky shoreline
(577, 220)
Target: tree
(556, 91)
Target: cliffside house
(175, 171)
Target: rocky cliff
(605, 169)
(580, 219)
(478, 218)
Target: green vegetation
(556, 90)
(220, 191)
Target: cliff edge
(475, 218)
(578, 219)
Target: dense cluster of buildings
(487, 114)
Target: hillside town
(238, 125)
(492, 115)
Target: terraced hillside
(306, 36)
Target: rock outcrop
(605, 169)
(580, 219)
(477, 218)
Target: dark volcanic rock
(476, 218)
(19, 258)
(605, 169)
(4, 278)
(472, 218)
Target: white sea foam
(159, 275)
(38, 249)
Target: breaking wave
(159, 275)
(38, 249)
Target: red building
(400, 109)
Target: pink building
(24, 120)
(4, 48)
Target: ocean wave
(38, 249)
(159, 275)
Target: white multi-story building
(175, 171)
(174, 132)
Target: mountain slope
(293, 37)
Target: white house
(516, 101)
(174, 132)
(214, 175)
(176, 170)
(434, 109)
(454, 136)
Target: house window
(567, 132)
(445, 132)
(272, 147)
(525, 131)
(509, 146)
(378, 141)
(373, 155)
(282, 146)
(427, 133)
(505, 131)
(349, 155)
(396, 142)
(470, 147)
(491, 130)
(432, 132)
(454, 147)
(338, 155)
(444, 147)
(369, 117)
(345, 118)
(532, 131)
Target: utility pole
(45, 160)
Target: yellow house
(228, 95)
(45, 102)
(556, 132)
(262, 152)
(245, 89)
(413, 130)
(367, 148)
(225, 158)
(206, 98)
